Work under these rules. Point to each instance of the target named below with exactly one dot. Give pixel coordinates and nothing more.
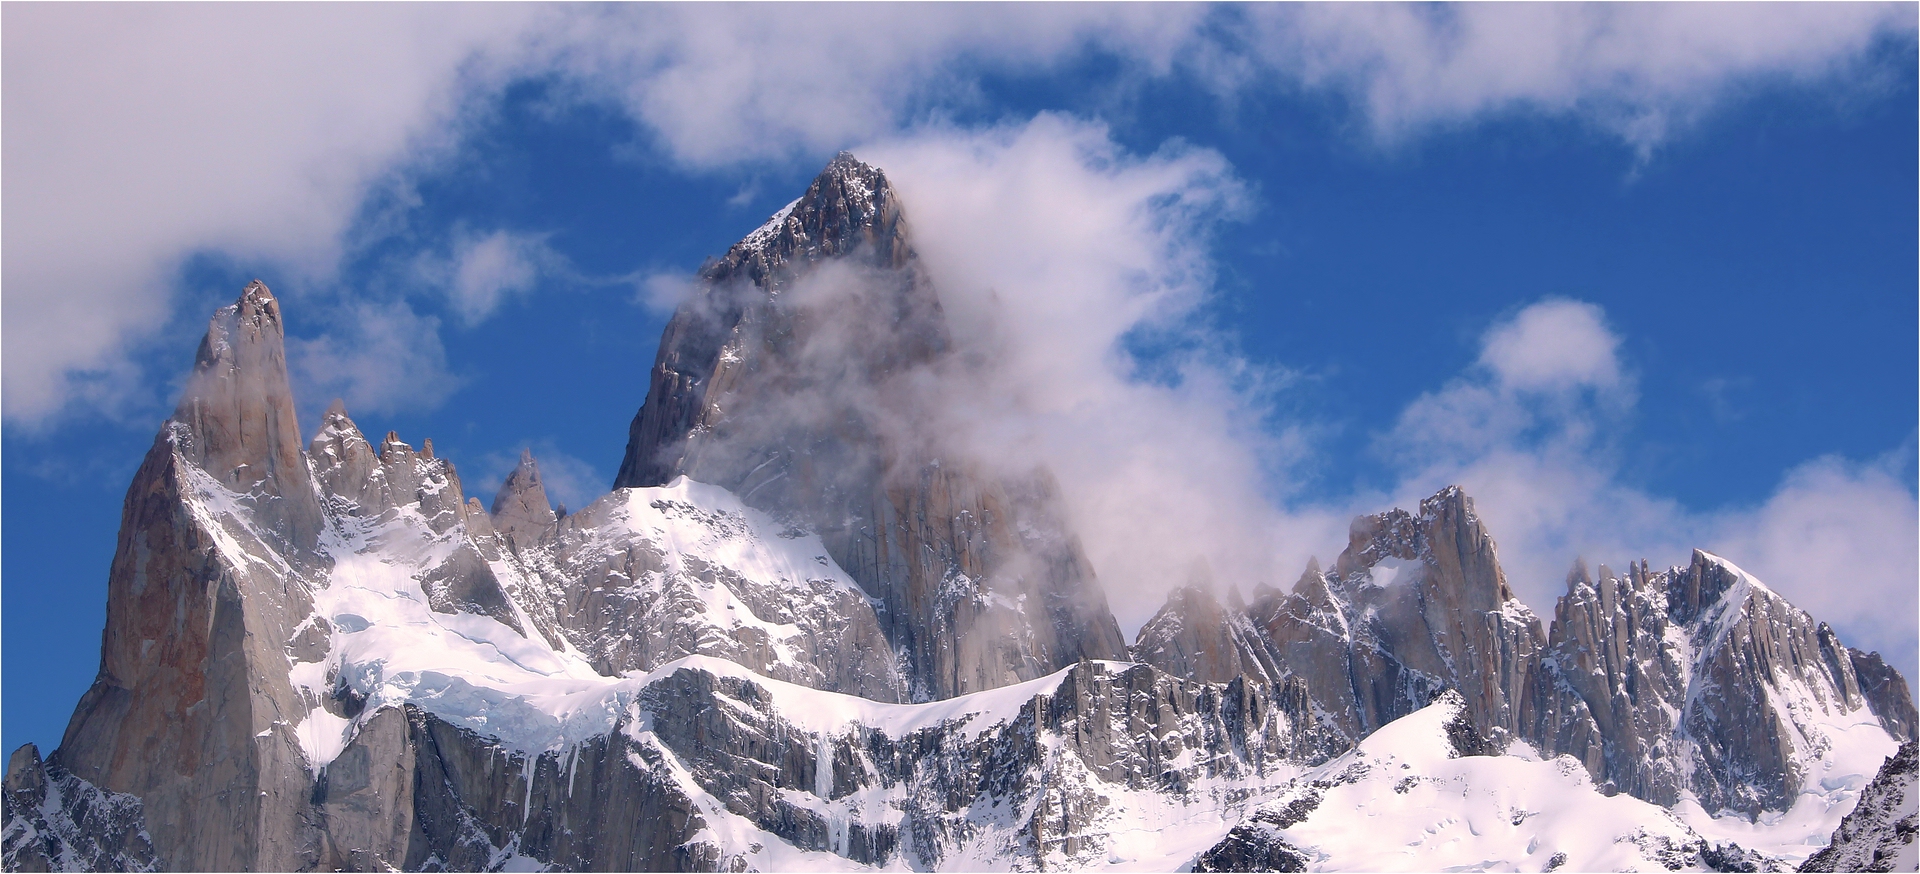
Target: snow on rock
(1406, 800)
(1416, 603)
(55, 821)
(1880, 833)
(334, 659)
(786, 378)
(1103, 765)
(645, 576)
(425, 604)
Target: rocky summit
(805, 631)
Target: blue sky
(1642, 278)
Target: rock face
(1880, 834)
(1697, 680)
(792, 378)
(1035, 776)
(192, 708)
(237, 419)
(1703, 680)
(1196, 637)
(643, 577)
(377, 500)
(55, 821)
(1414, 605)
(521, 511)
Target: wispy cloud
(378, 357)
(481, 271)
(1641, 71)
(138, 136)
(1532, 432)
(1051, 246)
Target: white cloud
(136, 136)
(480, 271)
(1837, 538)
(378, 357)
(1548, 378)
(1554, 344)
(662, 292)
(1636, 69)
(1049, 245)
(721, 84)
(1530, 433)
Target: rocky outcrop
(1614, 683)
(521, 512)
(1039, 784)
(55, 821)
(1255, 845)
(1415, 604)
(1700, 680)
(192, 709)
(399, 489)
(642, 577)
(706, 770)
(1883, 687)
(413, 792)
(1196, 637)
(1880, 833)
(794, 378)
(1695, 680)
(1426, 792)
(849, 212)
(237, 420)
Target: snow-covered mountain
(803, 635)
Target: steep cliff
(1702, 682)
(793, 377)
(1414, 605)
(193, 708)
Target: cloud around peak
(139, 137)
(1533, 432)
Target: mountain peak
(237, 418)
(258, 293)
(849, 208)
(521, 509)
(1706, 579)
(1194, 637)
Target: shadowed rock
(1699, 680)
(58, 822)
(793, 377)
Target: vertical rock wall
(192, 711)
